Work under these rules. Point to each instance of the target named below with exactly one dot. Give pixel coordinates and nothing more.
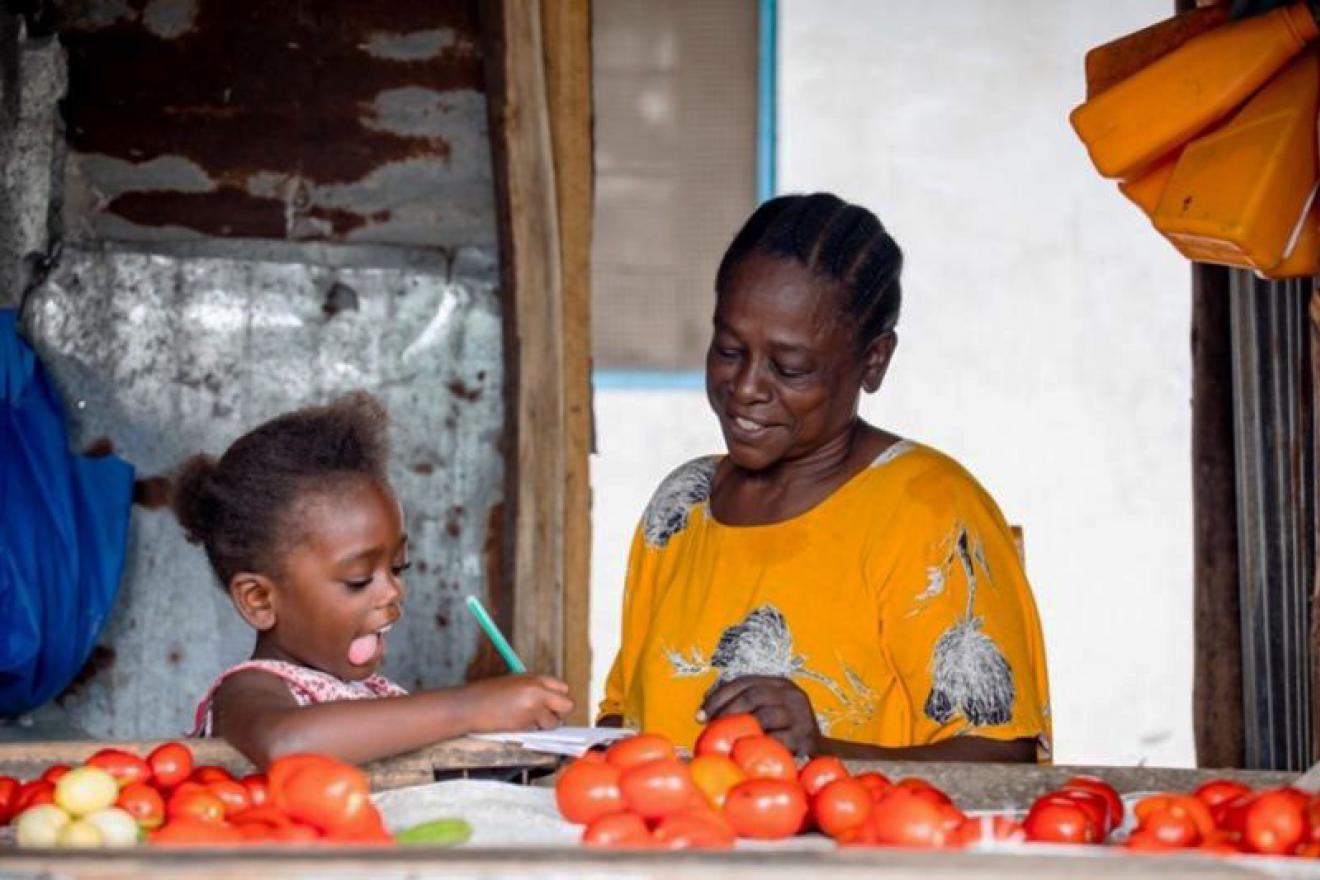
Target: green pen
(516, 666)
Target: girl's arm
(257, 715)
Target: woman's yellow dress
(898, 604)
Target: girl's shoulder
(305, 685)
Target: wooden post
(566, 26)
(1217, 709)
(539, 96)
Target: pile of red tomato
(300, 799)
(742, 783)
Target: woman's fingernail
(701, 715)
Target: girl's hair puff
(237, 506)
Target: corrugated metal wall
(1274, 429)
(267, 204)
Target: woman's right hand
(518, 702)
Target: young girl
(303, 530)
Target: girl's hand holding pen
(517, 702)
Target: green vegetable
(437, 832)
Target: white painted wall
(1044, 340)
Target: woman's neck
(792, 487)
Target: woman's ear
(875, 360)
(253, 596)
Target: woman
(858, 593)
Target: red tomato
(719, 735)
(1095, 805)
(1171, 828)
(233, 794)
(187, 831)
(38, 791)
(924, 790)
(170, 763)
(294, 832)
(9, 787)
(143, 803)
(366, 827)
(657, 788)
(979, 829)
(1056, 819)
(124, 766)
(876, 783)
(764, 757)
(903, 818)
(1219, 791)
(194, 802)
(1221, 844)
(639, 749)
(587, 790)
(54, 772)
(820, 772)
(323, 792)
(694, 829)
(255, 783)
(618, 831)
(714, 775)
(1274, 823)
(1179, 804)
(766, 809)
(1106, 791)
(208, 773)
(841, 806)
(1308, 851)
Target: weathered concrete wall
(158, 358)
(32, 79)
(289, 235)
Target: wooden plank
(1217, 679)
(28, 759)
(533, 321)
(1314, 311)
(567, 28)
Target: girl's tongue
(363, 648)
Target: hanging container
(1236, 194)
(1160, 107)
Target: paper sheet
(571, 741)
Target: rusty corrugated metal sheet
(159, 357)
(305, 120)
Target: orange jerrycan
(1304, 260)
(1146, 188)
(1161, 106)
(1237, 193)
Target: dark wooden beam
(1217, 709)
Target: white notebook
(571, 741)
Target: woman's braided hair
(843, 243)
(236, 507)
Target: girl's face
(783, 373)
(341, 587)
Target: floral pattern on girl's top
(898, 605)
(307, 686)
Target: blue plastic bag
(63, 534)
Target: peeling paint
(372, 130)
(170, 19)
(415, 46)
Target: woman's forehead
(782, 296)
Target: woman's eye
(360, 584)
(400, 569)
(790, 372)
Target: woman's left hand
(781, 707)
